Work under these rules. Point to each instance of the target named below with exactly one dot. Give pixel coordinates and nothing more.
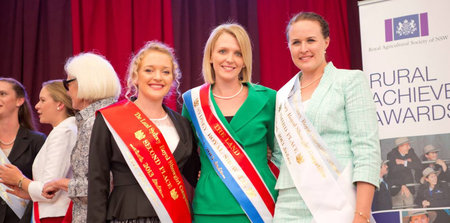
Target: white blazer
(53, 161)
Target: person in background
(404, 169)
(431, 155)
(420, 216)
(382, 199)
(153, 73)
(18, 139)
(53, 160)
(327, 134)
(432, 193)
(238, 115)
(92, 84)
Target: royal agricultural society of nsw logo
(405, 27)
(406, 31)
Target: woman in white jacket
(52, 161)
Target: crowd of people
(407, 181)
(309, 151)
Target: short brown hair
(311, 16)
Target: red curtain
(276, 64)
(35, 40)
(193, 21)
(115, 29)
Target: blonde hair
(59, 94)
(136, 61)
(238, 32)
(95, 76)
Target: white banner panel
(406, 53)
(406, 57)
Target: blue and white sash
(17, 204)
(324, 185)
(228, 158)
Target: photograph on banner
(414, 173)
(425, 216)
(413, 216)
(406, 54)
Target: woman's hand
(364, 196)
(18, 192)
(51, 187)
(10, 174)
(364, 218)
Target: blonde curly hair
(135, 63)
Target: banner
(406, 57)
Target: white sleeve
(57, 160)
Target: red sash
(236, 151)
(150, 159)
(35, 216)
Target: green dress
(253, 128)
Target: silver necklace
(312, 82)
(8, 143)
(230, 97)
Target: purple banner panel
(388, 29)
(424, 24)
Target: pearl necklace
(230, 97)
(8, 143)
(311, 82)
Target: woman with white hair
(92, 84)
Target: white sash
(17, 204)
(326, 188)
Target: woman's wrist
(20, 182)
(363, 215)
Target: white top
(306, 104)
(7, 151)
(53, 161)
(168, 130)
(295, 95)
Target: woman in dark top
(153, 72)
(18, 139)
(432, 193)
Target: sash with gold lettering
(17, 204)
(150, 160)
(228, 158)
(324, 185)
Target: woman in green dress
(241, 116)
